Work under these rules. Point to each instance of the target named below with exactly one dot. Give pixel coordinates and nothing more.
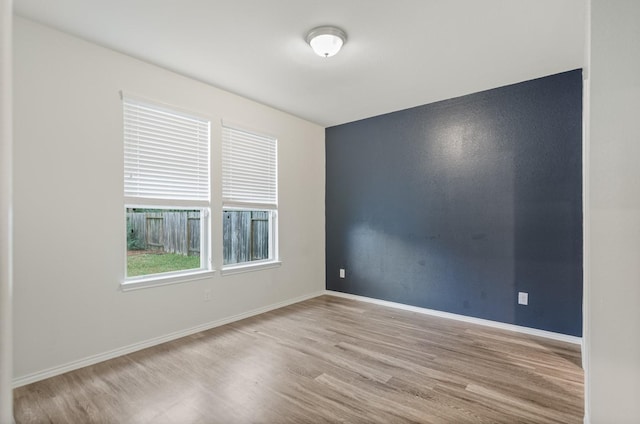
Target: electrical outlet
(207, 295)
(523, 298)
(342, 273)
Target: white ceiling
(399, 53)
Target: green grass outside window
(156, 263)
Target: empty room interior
(296, 211)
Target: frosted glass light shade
(326, 41)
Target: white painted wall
(613, 308)
(6, 142)
(69, 222)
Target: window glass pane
(162, 240)
(247, 235)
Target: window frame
(250, 205)
(203, 204)
(272, 261)
(173, 277)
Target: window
(249, 198)
(166, 191)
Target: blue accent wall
(459, 205)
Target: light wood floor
(327, 359)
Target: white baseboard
(472, 320)
(94, 359)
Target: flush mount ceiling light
(326, 41)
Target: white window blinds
(249, 168)
(166, 153)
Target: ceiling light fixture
(326, 41)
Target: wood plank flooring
(324, 360)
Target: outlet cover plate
(523, 298)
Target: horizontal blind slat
(166, 153)
(249, 167)
(146, 109)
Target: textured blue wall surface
(459, 205)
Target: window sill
(249, 267)
(164, 280)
